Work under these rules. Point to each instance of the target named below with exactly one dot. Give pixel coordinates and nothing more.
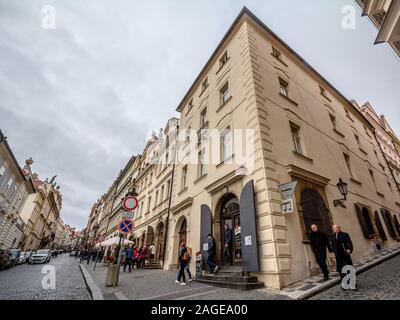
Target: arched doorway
(183, 233)
(314, 211)
(230, 215)
(160, 241)
(150, 236)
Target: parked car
(72, 253)
(40, 256)
(5, 259)
(14, 255)
(24, 257)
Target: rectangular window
(226, 144)
(190, 105)
(390, 186)
(2, 169)
(162, 194)
(357, 139)
(203, 118)
(224, 59)
(371, 173)
(156, 199)
(295, 130)
(204, 85)
(201, 165)
(323, 92)
(149, 204)
(333, 120)
(184, 177)
(276, 53)
(284, 85)
(224, 94)
(187, 138)
(347, 159)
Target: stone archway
(180, 235)
(228, 211)
(159, 240)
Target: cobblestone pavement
(24, 282)
(160, 285)
(379, 283)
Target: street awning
(113, 241)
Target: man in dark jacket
(228, 245)
(319, 244)
(343, 248)
(211, 254)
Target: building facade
(15, 187)
(387, 140)
(41, 214)
(257, 119)
(385, 16)
(153, 182)
(304, 131)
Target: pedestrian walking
(128, 259)
(343, 248)
(211, 254)
(183, 260)
(136, 257)
(319, 244)
(228, 245)
(152, 250)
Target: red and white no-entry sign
(130, 203)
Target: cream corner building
(304, 131)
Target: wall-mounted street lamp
(342, 186)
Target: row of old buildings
(260, 128)
(29, 207)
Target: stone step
(230, 278)
(232, 285)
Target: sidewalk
(314, 285)
(160, 284)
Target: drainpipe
(386, 160)
(170, 196)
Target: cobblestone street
(25, 282)
(379, 283)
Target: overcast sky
(82, 98)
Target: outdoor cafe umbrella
(113, 241)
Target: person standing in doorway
(343, 248)
(319, 244)
(211, 254)
(152, 250)
(228, 245)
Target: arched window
(389, 223)
(315, 211)
(365, 221)
(378, 223)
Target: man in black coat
(228, 245)
(343, 248)
(211, 254)
(319, 244)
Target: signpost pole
(121, 242)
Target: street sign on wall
(287, 206)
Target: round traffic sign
(130, 203)
(125, 226)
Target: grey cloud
(81, 99)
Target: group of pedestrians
(339, 243)
(132, 256)
(89, 255)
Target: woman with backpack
(183, 261)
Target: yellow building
(299, 128)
